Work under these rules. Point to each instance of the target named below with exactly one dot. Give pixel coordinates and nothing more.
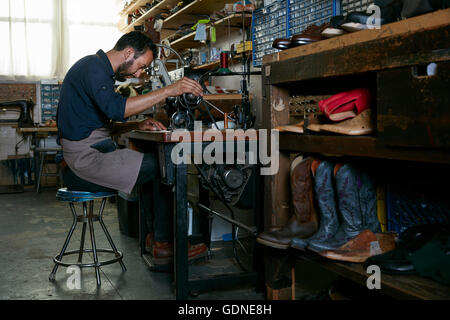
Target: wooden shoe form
(357, 126)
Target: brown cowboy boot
(304, 221)
(363, 246)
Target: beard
(123, 71)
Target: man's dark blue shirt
(88, 100)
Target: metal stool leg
(41, 167)
(94, 247)
(100, 219)
(83, 234)
(66, 243)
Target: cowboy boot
(368, 200)
(349, 210)
(363, 246)
(326, 198)
(304, 221)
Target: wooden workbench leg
(180, 233)
(279, 274)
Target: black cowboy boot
(349, 210)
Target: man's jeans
(156, 199)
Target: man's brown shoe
(311, 34)
(163, 251)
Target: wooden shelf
(216, 64)
(412, 41)
(359, 146)
(190, 14)
(234, 20)
(150, 13)
(223, 96)
(133, 7)
(397, 286)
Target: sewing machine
(24, 107)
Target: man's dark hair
(138, 41)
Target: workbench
(37, 133)
(175, 175)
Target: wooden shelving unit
(150, 13)
(190, 13)
(319, 68)
(396, 286)
(216, 64)
(222, 25)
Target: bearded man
(87, 111)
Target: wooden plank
(190, 13)
(234, 20)
(417, 48)
(40, 129)
(216, 64)
(398, 286)
(175, 137)
(360, 146)
(133, 7)
(424, 22)
(150, 13)
(223, 96)
(413, 110)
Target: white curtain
(42, 39)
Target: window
(42, 39)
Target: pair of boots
(346, 199)
(347, 203)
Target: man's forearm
(138, 104)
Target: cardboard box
(240, 46)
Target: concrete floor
(33, 228)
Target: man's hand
(150, 124)
(140, 103)
(186, 85)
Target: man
(87, 110)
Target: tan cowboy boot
(304, 221)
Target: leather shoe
(281, 44)
(162, 252)
(311, 34)
(412, 239)
(363, 246)
(357, 126)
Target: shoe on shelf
(311, 34)
(304, 220)
(281, 44)
(331, 32)
(346, 105)
(363, 246)
(360, 125)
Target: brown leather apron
(116, 170)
